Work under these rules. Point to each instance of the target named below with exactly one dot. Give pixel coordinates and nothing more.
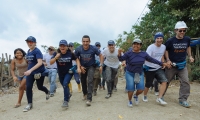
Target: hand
(191, 59)
(27, 72)
(83, 69)
(120, 50)
(169, 64)
(124, 64)
(45, 64)
(100, 69)
(57, 55)
(79, 71)
(165, 65)
(15, 79)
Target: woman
(20, 63)
(35, 71)
(64, 59)
(134, 69)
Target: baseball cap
(158, 34)
(71, 44)
(97, 43)
(111, 42)
(31, 38)
(137, 41)
(63, 42)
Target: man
(52, 70)
(86, 53)
(177, 48)
(157, 51)
(97, 75)
(76, 75)
(112, 63)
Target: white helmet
(180, 24)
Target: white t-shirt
(47, 57)
(156, 53)
(111, 58)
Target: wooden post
(2, 70)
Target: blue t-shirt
(135, 61)
(177, 48)
(64, 63)
(32, 60)
(87, 57)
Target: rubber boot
(70, 87)
(79, 88)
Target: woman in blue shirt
(64, 59)
(135, 59)
(35, 69)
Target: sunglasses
(110, 45)
(30, 42)
(98, 46)
(182, 31)
(70, 46)
(50, 49)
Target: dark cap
(31, 38)
(71, 44)
(97, 43)
(137, 41)
(111, 42)
(63, 42)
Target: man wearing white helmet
(177, 48)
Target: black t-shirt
(64, 63)
(177, 48)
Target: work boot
(70, 87)
(79, 88)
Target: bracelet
(55, 58)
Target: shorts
(131, 85)
(21, 78)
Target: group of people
(88, 63)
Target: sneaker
(28, 107)
(130, 104)
(88, 103)
(161, 101)
(136, 99)
(48, 95)
(70, 95)
(95, 93)
(108, 96)
(156, 93)
(145, 98)
(184, 104)
(84, 97)
(51, 95)
(65, 104)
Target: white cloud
(50, 21)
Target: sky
(50, 21)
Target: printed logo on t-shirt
(62, 61)
(30, 58)
(85, 57)
(156, 54)
(180, 47)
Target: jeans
(77, 78)
(29, 86)
(97, 79)
(64, 81)
(103, 78)
(110, 77)
(52, 80)
(130, 84)
(87, 82)
(184, 90)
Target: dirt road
(114, 108)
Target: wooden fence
(5, 74)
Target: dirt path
(114, 108)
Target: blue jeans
(64, 81)
(77, 78)
(131, 85)
(52, 80)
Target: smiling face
(85, 43)
(63, 48)
(180, 33)
(136, 47)
(19, 54)
(158, 41)
(31, 44)
(111, 47)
